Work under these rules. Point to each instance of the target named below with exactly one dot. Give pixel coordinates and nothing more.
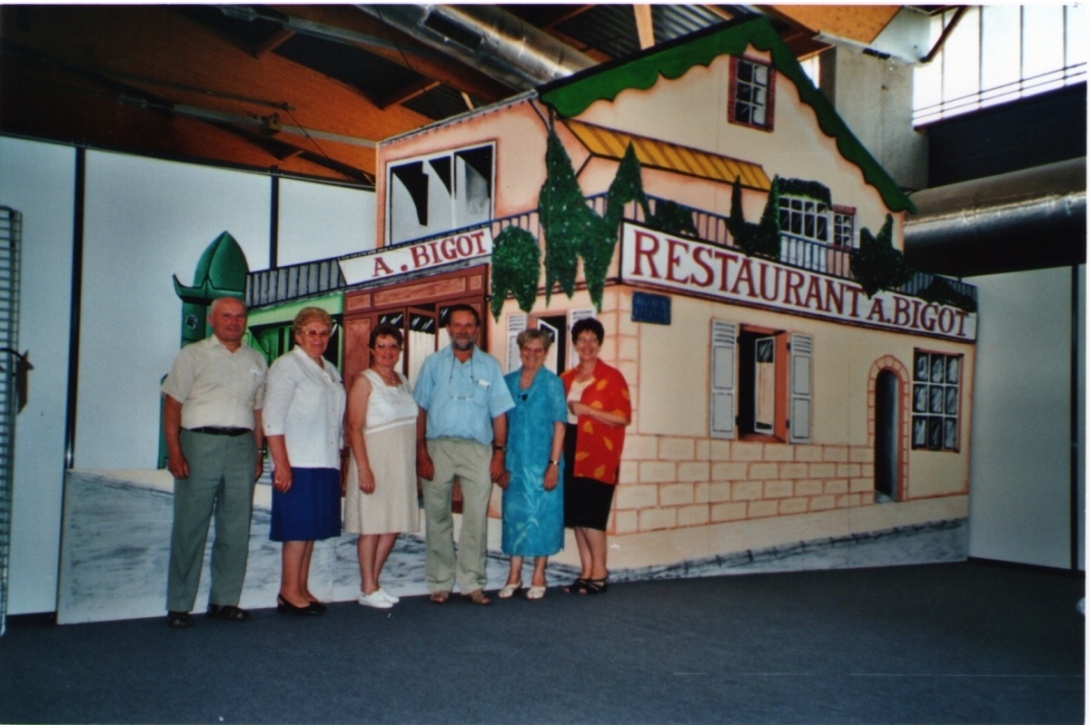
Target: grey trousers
(469, 462)
(220, 484)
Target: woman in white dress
(380, 495)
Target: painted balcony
(323, 276)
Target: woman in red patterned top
(599, 408)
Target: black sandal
(576, 586)
(593, 586)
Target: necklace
(391, 379)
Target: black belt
(222, 431)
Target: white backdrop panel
(147, 220)
(38, 180)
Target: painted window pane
(751, 93)
(450, 191)
(935, 401)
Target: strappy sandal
(576, 586)
(593, 586)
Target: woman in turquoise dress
(533, 490)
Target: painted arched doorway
(887, 416)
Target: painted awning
(658, 154)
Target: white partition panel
(319, 221)
(1020, 491)
(39, 180)
(147, 220)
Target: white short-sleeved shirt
(215, 386)
(305, 403)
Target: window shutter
(801, 383)
(516, 324)
(721, 416)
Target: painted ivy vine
(877, 265)
(516, 260)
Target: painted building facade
(793, 383)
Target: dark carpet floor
(965, 643)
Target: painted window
(804, 217)
(843, 226)
(805, 225)
(760, 383)
(936, 396)
(751, 93)
(438, 194)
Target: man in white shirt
(212, 424)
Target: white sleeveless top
(388, 406)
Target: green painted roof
(571, 96)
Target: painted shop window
(451, 191)
(751, 93)
(760, 383)
(936, 386)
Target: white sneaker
(375, 600)
(387, 595)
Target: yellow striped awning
(658, 154)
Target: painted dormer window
(751, 93)
(434, 195)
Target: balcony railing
(314, 278)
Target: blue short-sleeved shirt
(461, 398)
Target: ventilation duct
(488, 38)
(1023, 220)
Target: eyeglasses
(387, 347)
(472, 380)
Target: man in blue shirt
(461, 432)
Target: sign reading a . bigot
(387, 262)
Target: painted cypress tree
(765, 241)
(627, 187)
(736, 223)
(563, 214)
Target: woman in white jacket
(303, 419)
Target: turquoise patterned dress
(533, 518)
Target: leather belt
(222, 431)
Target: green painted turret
(221, 271)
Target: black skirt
(587, 501)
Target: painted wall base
(117, 531)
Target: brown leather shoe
(478, 598)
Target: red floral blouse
(598, 446)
